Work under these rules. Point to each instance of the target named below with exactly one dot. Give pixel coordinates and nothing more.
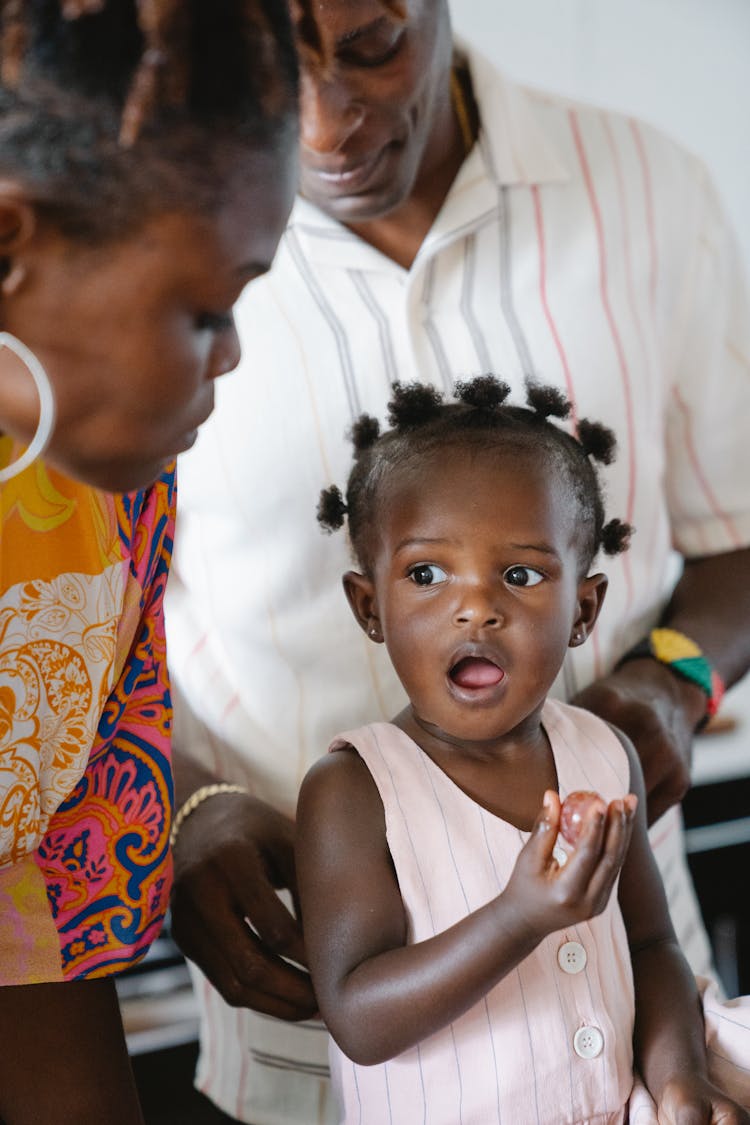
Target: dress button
(571, 957)
(588, 1042)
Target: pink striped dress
(551, 1043)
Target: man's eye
(427, 574)
(376, 48)
(214, 322)
(522, 576)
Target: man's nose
(328, 114)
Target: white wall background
(683, 65)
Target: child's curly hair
(422, 422)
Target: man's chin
(353, 209)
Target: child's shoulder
(339, 791)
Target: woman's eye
(214, 322)
(427, 574)
(522, 576)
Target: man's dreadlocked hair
(423, 423)
(111, 110)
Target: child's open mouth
(474, 672)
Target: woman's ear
(591, 593)
(17, 226)
(360, 593)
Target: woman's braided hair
(111, 110)
(423, 423)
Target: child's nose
(480, 607)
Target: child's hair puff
(423, 423)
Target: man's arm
(231, 853)
(657, 709)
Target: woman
(146, 174)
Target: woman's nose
(225, 353)
(328, 114)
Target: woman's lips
(476, 672)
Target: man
(451, 223)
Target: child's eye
(522, 576)
(427, 574)
(214, 322)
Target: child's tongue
(476, 672)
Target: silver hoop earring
(46, 422)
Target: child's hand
(689, 1099)
(549, 897)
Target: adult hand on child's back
(659, 713)
(689, 1099)
(549, 897)
(231, 854)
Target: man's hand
(231, 853)
(659, 712)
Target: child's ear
(591, 593)
(360, 592)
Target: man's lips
(353, 175)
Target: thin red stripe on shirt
(622, 362)
(723, 517)
(539, 220)
(649, 201)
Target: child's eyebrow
(420, 542)
(543, 548)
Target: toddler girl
(469, 966)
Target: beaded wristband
(683, 657)
(196, 799)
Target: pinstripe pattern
(508, 278)
(359, 281)
(430, 327)
(467, 298)
(331, 318)
(448, 867)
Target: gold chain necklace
(461, 109)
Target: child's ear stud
(374, 632)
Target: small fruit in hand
(575, 812)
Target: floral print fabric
(85, 782)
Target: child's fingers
(544, 833)
(583, 859)
(618, 828)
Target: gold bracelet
(196, 799)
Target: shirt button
(571, 957)
(588, 1042)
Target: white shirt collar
(512, 149)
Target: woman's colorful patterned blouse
(85, 717)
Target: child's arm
(380, 996)
(669, 1043)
